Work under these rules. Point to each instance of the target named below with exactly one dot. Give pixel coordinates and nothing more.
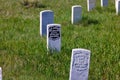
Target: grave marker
(117, 7)
(79, 68)
(104, 3)
(76, 14)
(53, 37)
(46, 17)
(90, 4)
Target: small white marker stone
(90, 4)
(76, 14)
(117, 7)
(46, 17)
(79, 68)
(104, 3)
(0, 73)
(54, 37)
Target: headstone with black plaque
(117, 7)
(54, 38)
(79, 68)
(104, 3)
(76, 14)
(46, 17)
(90, 4)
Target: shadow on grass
(87, 21)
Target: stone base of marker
(117, 7)
(46, 17)
(76, 14)
(90, 4)
(53, 38)
(79, 68)
(104, 3)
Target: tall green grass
(23, 54)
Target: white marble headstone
(54, 37)
(76, 14)
(104, 3)
(79, 68)
(91, 4)
(117, 7)
(0, 73)
(46, 17)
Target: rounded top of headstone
(81, 49)
(54, 25)
(46, 11)
(0, 68)
(77, 6)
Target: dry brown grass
(31, 3)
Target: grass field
(23, 54)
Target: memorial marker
(46, 17)
(79, 68)
(76, 14)
(90, 4)
(117, 7)
(53, 37)
(104, 3)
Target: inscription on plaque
(54, 32)
(80, 62)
